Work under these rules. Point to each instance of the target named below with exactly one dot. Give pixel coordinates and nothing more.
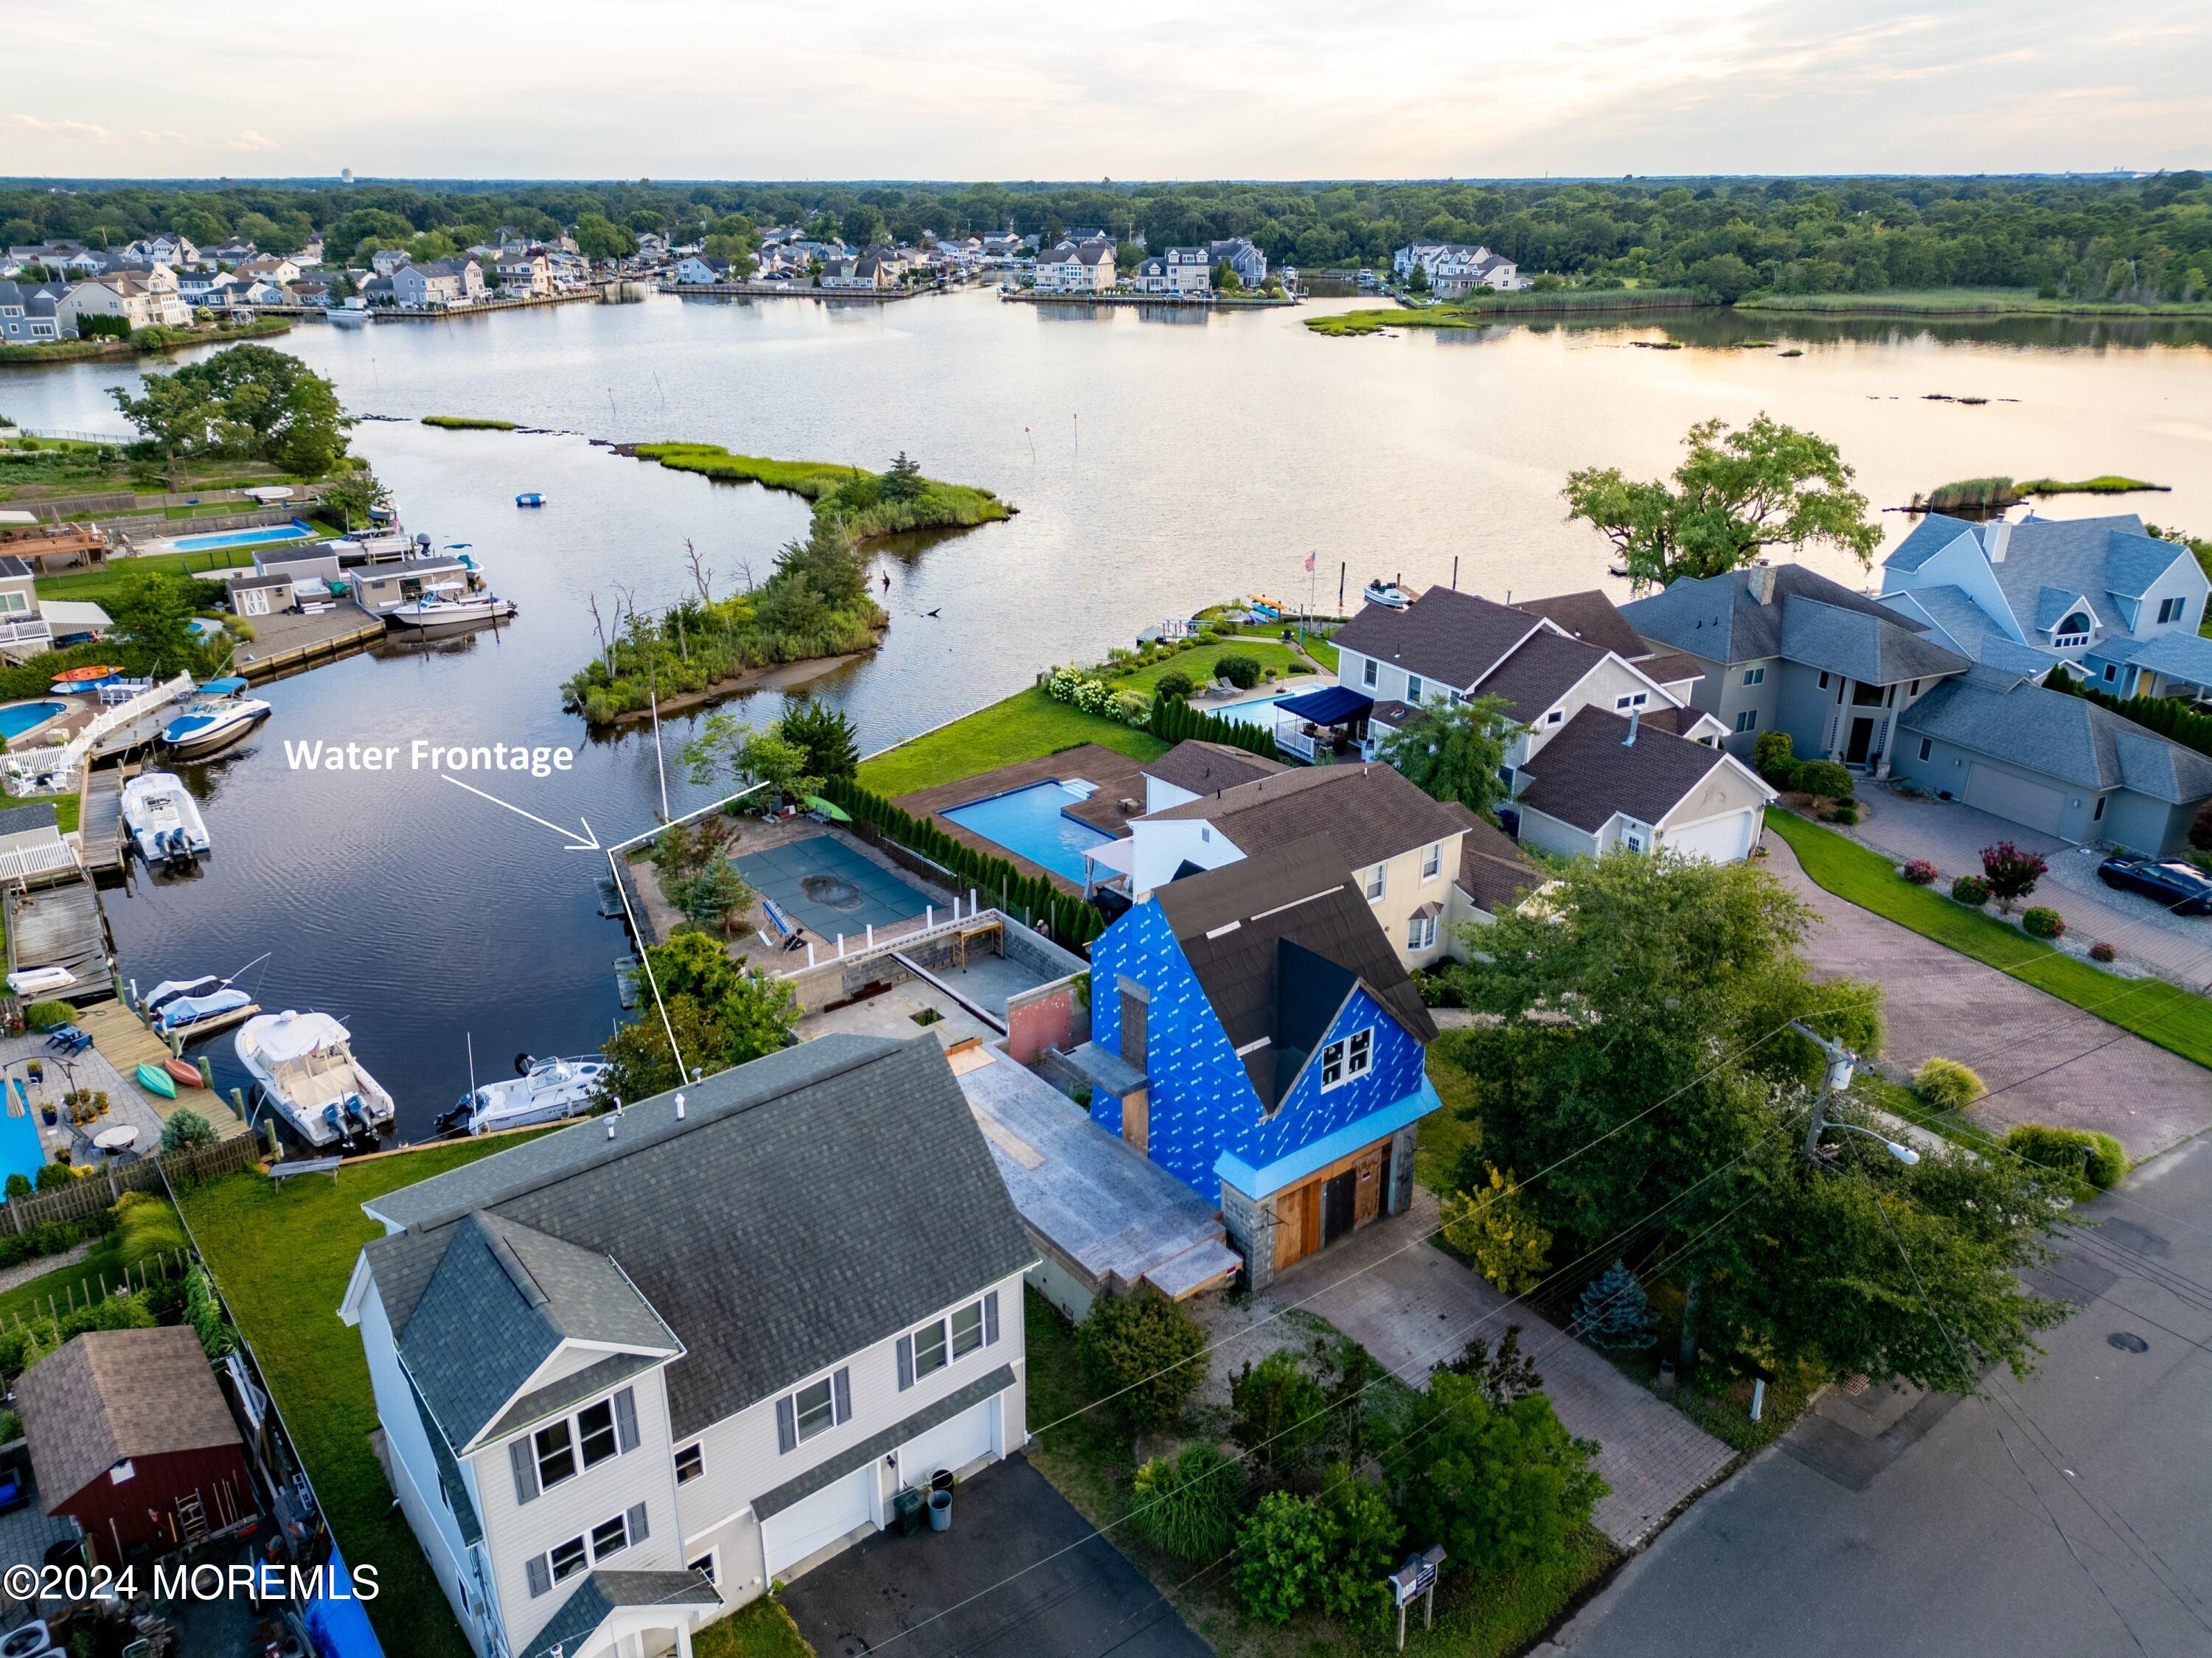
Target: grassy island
(467, 423)
(867, 504)
(143, 341)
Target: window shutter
(525, 1468)
(990, 1318)
(635, 1521)
(626, 1420)
(905, 1346)
(841, 1385)
(786, 1425)
(540, 1573)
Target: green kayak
(154, 1080)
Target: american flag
(1310, 561)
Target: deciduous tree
(1453, 751)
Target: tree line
(2105, 237)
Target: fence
(90, 1194)
(60, 435)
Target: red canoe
(184, 1072)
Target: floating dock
(99, 820)
(127, 1041)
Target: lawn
(761, 1630)
(1198, 662)
(1027, 726)
(282, 1255)
(100, 1274)
(100, 586)
(1443, 1135)
(2157, 1011)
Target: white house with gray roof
(2100, 594)
(633, 1372)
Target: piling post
(237, 1097)
(207, 1073)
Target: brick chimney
(1759, 580)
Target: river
(1160, 462)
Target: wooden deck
(62, 926)
(126, 1041)
(99, 818)
(282, 644)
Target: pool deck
(1119, 778)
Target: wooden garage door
(2031, 805)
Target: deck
(99, 818)
(284, 643)
(126, 1041)
(62, 926)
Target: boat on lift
(163, 820)
(304, 1064)
(220, 713)
(450, 604)
(1388, 594)
(541, 1090)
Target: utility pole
(1834, 1080)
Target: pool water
(22, 1152)
(1033, 822)
(295, 530)
(15, 721)
(1261, 713)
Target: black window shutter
(635, 1519)
(990, 1318)
(524, 1465)
(626, 1420)
(540, 1573)
(786, 1425)
(842, 1385)
(905, 1345)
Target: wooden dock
(99, 819)
(127, 1041)
(62, 926)
(285, 644)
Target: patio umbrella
(834, 814)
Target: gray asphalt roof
(603, 1593)
(1209, 768)
(2051, 605)
(2090, 556)
(1591, 616)
(1543, 669)
(1878, 649)
(759, 1183)
(1590, 771)
(827, 1472)
(1717, 618)
(2183, 655)
(1929, 537)
(1493, 872)
(2062, 736)
(22, 820)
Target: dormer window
(2073, 630)
(1346, 1058)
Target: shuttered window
(991, 1318)
(625, 1404)
(524, 1465)
(905, 1347)
(595, 1432)
(540, 1575)
(787, 1429)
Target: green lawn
(282, 1255)
(1198, 663)
(762, 1629)
(1027, 726)
(100, 586)
(2151, 1008)
(1443, 1135)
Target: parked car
(2183, 888)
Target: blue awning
(1332, 706)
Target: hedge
(1178, 722)
(2168, 716)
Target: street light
(1833, 1081)
(1902, 1153)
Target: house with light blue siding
(1274, 1044)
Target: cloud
(60, 128)
(251, 140)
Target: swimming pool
(22, 1152)
(1261, 713)
(25, 716)
(295, 530)
(1033, 822)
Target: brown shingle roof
(1539, 673)
(1451, 637)
(1369, 812)
(1591, 617)
(1209, 768)
(1671, 667)
(1590, 771)
(112, 1394)
(1494, 872)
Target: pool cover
(829, 887)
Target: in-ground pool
(1033, 822)
(295, 530)
(20, 717)
(22, 1152)
(1261, 713)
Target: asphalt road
(2070, 1514)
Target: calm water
(1159, 464)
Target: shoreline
(51, 351)
(781, 676)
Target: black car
(2183, 888)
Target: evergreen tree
(1614, 1312)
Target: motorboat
(164, 822)
(219, 714)
(182, 1012)
(348, 313)
(1388, 594)
(376, 547)
(542, 1091)
(450, 604)
(304, 1064)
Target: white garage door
(818, 1520)
(2030, 805)
(952, 1444)
(1718, 840)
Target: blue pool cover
(829, 887)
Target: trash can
(908, 1506)
(940, 1510)
(941, 1480)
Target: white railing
(34, 630)
(35, 860)
(40, 766)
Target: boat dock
(282, 644)
(127, 1041)
(99, 819)
(62, 926)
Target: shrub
(2011, 873)
(2200, 829)
(48, 1015)
(2037, 922)
(1189, 1507)
(19, 1185)
(1919, 872)
(1280, 1557)
(1176, 682)
(1145, 1349)
(2096, 1159)
(1945, 1084)
(1496, 1226)
(1359, 1537)
(1240, 670)
(54, 1175)
(2101, 952)
(186, 1128)
(1614, 1311)
(1970, 890)
(1277, 1410)
(1845, 815)
(1824, 777)
(1774, 756)
(1299, 667)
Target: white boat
(219, 714)
(450, 604)
(36, 981)
(546, 1090)
(1388, 594)
(170, 989)
(348, 313)
(304, 1064)
(163, 820)
(181, 1012)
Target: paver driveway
(2044, 1061)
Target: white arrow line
(589, 843)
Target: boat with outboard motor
(304, 1064)
(541, 1090)
(163, 820)
(219, 714)
(1388, 594)
(450, 604)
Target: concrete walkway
(2044, 1061)
(1412, 1307)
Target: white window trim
(1376, 884)
(1342, 1048)
(697, 1450)
(1432, 862)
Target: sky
(961, 89)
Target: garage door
(1718, 840)
(952, 1444)
(818, 1520)
(2030, 805)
